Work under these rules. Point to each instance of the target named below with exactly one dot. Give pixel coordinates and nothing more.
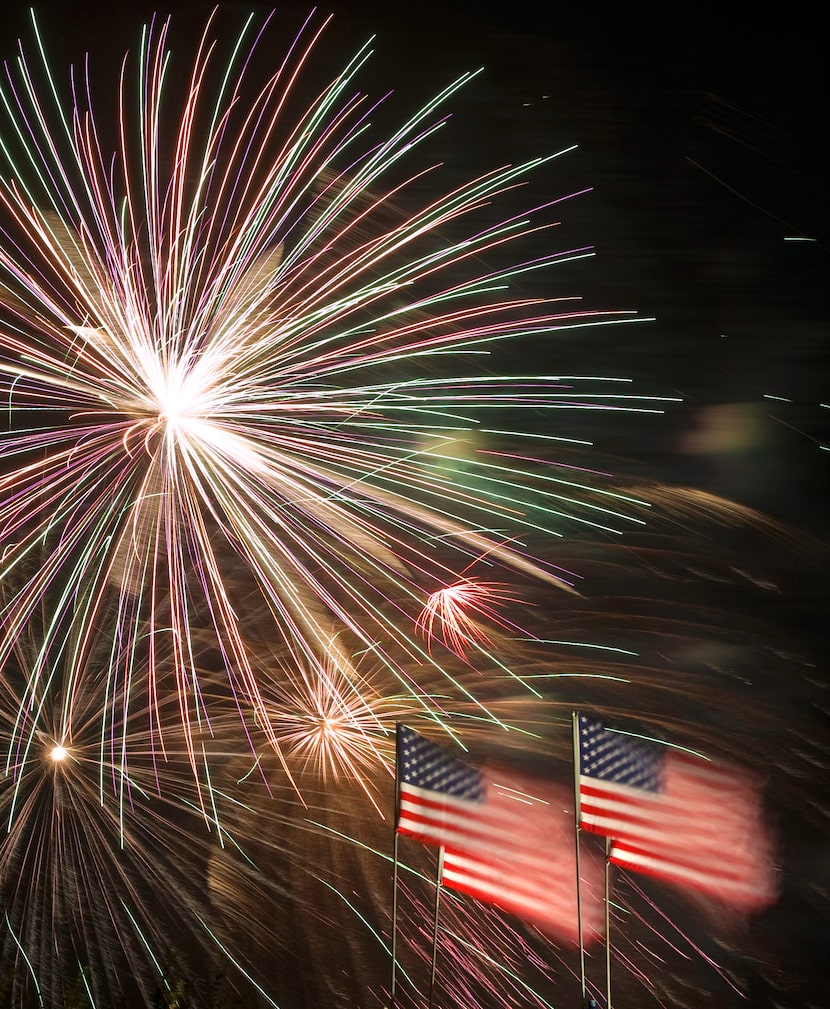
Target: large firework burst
(248, 361)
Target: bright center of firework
(329, 726)
(174, 407)
(58, 753)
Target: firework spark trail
(89, 894)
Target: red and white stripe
(434, 818)
(703, 830)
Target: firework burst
(224, 350)
(96, 910)
(450, 614)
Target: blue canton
(426, 765)
(612, 756)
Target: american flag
(508, 839)
(682, 818)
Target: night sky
(702, 139)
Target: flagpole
(607, 923)
(395, 835)
(575, 726)
(435, 922)
(394, 917)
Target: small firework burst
(453, 614)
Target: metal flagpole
(575, 724)
(607, 923)
(438, 879)
(392, 992)
(394, 917)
